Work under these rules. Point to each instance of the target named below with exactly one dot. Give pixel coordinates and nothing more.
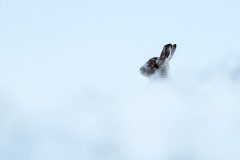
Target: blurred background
(71, 88)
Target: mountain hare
(158, 66)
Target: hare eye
(151, 63)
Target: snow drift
(191, 116)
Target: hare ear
(166, 52)
(173, 50)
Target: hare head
(159, 65)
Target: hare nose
(142, 69)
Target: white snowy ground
(71, 88)
(52, 115)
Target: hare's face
(159, 65)
(150, 67)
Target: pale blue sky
(133, 28)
